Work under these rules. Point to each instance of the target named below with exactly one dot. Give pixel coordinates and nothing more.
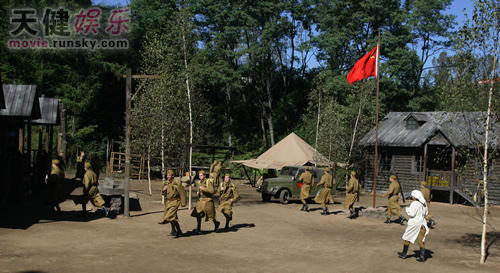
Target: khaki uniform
(175, 196)
(90, 190)
(227, 192)
(307, 183)
(211, 171)
(206, 203)
(217, 171)
(325, 196)
(393, 203)
(427, 196)
(55, 182)
(352, 192)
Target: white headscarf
(418, 195)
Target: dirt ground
(265, 237)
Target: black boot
(352, 214)
(388, 221)
(303, 208)
(307, 208)
(198, 226)
(431, 223)
(216, 225)
(172, 230)
(178, 231)
(227, 224)
(402, 255)
(422, 255)
(401, 220)
(325, 212)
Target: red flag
(364, 68)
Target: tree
(480, 37)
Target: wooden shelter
(441, 148)
(49, 110)
(21, 107)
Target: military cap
(327, 169)
(353, 173)
(423, 183)
(228, 174)
(55, 161)
(88, 165)
(202, 172)
(393, 177)
(307, 167)
(170, 172)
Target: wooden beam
(154, 77)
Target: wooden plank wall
(402, 165)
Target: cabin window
(411, 124)
(418, 164)
(385, 162)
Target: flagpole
(376, 123)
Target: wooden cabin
(443, 148)
(21, 106)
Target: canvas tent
(292, 150)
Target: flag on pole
(365, 67)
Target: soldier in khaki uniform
(352, 192)
(228, 195)
(211, 171)
(175, 196)
(325, 196)
(90, 191)
(55, 182)
(393, 203)
(306, 178)
(205, 206)
(217, 171)
(427, 196)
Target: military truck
(286, 185)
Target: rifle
(401, 187)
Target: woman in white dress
(417, 225)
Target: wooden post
(128, 106)
(452, 182)
(61, 137)
(376, 124)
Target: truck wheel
(266, 197)
(284, 196)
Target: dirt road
(265, 237)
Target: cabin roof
(459, 129)
(20, 102)
(49, 109)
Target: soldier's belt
(173, 199)
(328, 188)
(225, 199)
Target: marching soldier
(211, 171)
(325, 196)
(205, 207)
(306, 178)
(393, 201)
(55, 182)
(427, 195)
(352, 193)
(80, 166)
(217, 171)
(62, 163)
(175, 195)
(228, 195)
(90, 192)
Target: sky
(457, 8)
